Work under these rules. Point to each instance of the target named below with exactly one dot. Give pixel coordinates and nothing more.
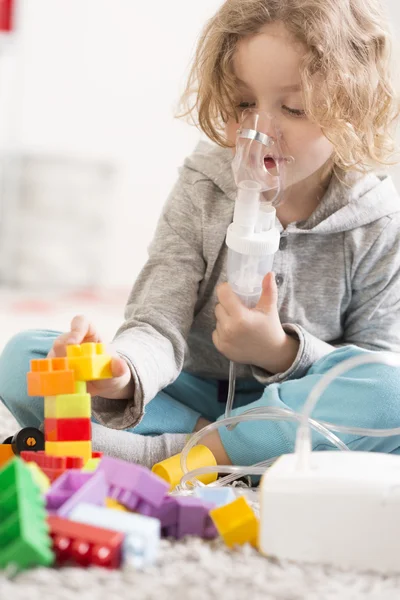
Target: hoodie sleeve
(160, 308)
(372, 319)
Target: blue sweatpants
(367, 396)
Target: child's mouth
(269, 162)
(271, 165)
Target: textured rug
(196, 570)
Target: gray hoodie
(337, 273)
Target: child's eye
(244, 105)
(295, 112)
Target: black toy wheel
(8, 440)
(28, 438)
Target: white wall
(100, 79)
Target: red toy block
(84, 544)
(53, 466)
(50, 377)
(67, 430)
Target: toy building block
(84, 544)
(74, 487)
(67, 430)
(53, 466)
(76, 405)
(217, 496)
(6, 454)
(236, 523)
(83, 449)
(184, 515)
(111, 503)
(89, 362)
(133, 486)
(39, 477)
(24, 540)
(199, 456)
(91, 465)
(49, 377)
(141, 532)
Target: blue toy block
(142, 539)
(217, 496)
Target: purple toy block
(185, 515)
(134, 486)
(194, 518)
(168, 512)
(74, 487)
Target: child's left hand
(253, 336)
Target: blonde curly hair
(348, 48)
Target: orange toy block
(89, 362)
(6, 453)
(67, 430)
(83, 449)
(50, 377)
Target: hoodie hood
(352, 200)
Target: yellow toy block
(111, 503)
(91, 465)
(83, 449)
(89, 362)
(69, 406)
(236, 523)
(40, 478)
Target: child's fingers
(83, 331)
(59, 346)
(119, 368)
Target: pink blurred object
(7, 15)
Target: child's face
(267, 66)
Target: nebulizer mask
(261, 169)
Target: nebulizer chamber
(253, 238)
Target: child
(322, 70)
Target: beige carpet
(196, 570)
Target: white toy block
(142, 540)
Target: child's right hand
(121, 386)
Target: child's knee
(21, 348)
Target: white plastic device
(339, 508)
(343, 510)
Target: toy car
(28, 438)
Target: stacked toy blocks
(67, 405)
(24, 539)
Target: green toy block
(24, 538)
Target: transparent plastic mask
(260, 155)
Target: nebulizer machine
(339, 508)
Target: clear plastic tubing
(271, 414)
(303, 439)
(231, 392)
